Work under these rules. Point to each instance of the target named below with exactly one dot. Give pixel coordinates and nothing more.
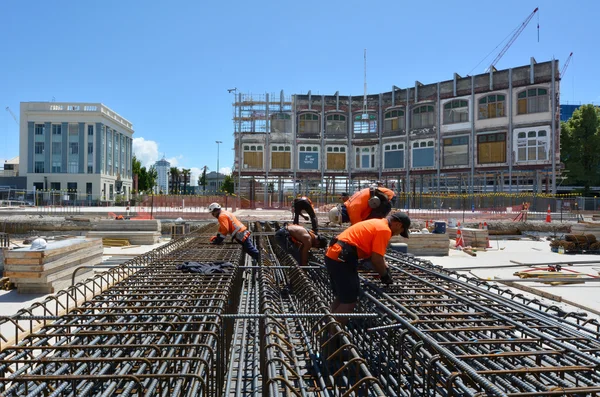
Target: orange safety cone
(426, 224)
(487, 237)
(548, 215)
(459, 238)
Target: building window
(532, 145)
(533, 100)
(422, 116)
(90, 169)
(88, 188)
(39, 167)
(365, 157)
(72, 186)
(456, 111)
(73, 167)
(90, 147)
(56, 129)
(73, 148)
(57, 148)
(423, 153)
(281, 157)
(394, 120)
(336, 158)
(308, 123)
(90, 130)
(55, 185)
(308, 157)
(73, 129)
(365, 124)
(456, 151)
(491, 106)
(393, 155)
(39, 148)
(40, 129)
(491, 148)
(335, 124)
(253, 156)
(56, 167)
(281, 122)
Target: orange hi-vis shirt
(229, 224)
(370, 236)
(358, 204)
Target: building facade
(162, 170)
(494, 132)
(79, 147)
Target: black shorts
(344, 280)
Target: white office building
(79, 147)
(162, 170)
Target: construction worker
(229, 224)
(372, 202)
(297, 240)
(344, 197)
(364, 240)
(303, 204)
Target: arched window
(456, 111)
(281, 122)
(422, 116)
(335, 124)
(533, 100)
(308, 123)
(394, 120)
(492, 106)
(365, 123)
(532, 144)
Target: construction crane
(564, 69)
(12, 114)
(513, 38)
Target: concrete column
(31, 146)
(553, 136)
(473, 136)
(47, 147)
(98, 148)
(82, 149)
(439, 136)
(509, 147)
(65, 147)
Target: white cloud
(175, 161)
(196, 172)
(225, 170)
(145, 151)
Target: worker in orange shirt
(303, 204)
(369, 203)
(297, 240)
(229, 224)
(367, 239)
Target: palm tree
(185, 172)
(174, 173)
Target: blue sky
(166, 66)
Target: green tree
(580, 141)
(185, 173)
(174, 175)
(136, 166)
(202, 179)
(151, 177)
(143, 180)
(228, 185)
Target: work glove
(387, 278)
(216, 240)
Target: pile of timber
(424, 244)
(137, 232)
(50, 270)
(476, 238)
(582, 228)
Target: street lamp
(218, 142)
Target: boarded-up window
(308, 157)
(533, 100)
(281, 157)
(422, 116)
(394, 121)
(456, 111)
(336, 158)
(491, 106)
(335, 124)
(456, 151)
(365, 123)
(281, 122)
(308, 123)
(393, 155)
(253, 156)
(491, 148)
(532, 145)
(423, 154)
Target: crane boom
(512, 39)
(12, 114)
(564, 69)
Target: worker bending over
(303, 204)
(369, 203)
(229, 224)
(297, 241)
(367, 239)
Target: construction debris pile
(266, 330)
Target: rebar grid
(156, 333)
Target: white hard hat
(335, 215)
(214, 206)
(38, 244)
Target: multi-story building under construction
(493, 132)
